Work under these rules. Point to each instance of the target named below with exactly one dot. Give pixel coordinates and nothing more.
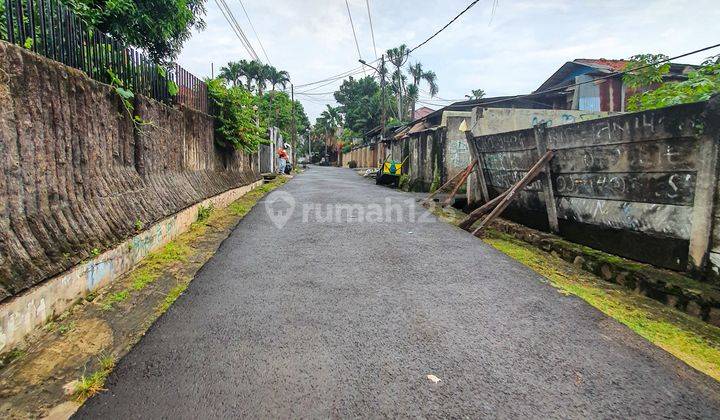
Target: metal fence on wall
(49, 28)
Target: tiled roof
(614, 65)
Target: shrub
(235, 117)
(352, 164)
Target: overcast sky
(512, 52)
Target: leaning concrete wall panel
(632, 176)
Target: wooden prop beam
(529, 177)
(466, 173)
(473, 217)
(453, 179)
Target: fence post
(703, 203)
(480, 167)
(545, 178)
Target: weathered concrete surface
(79, 178)
(632, 176)
(348, 319)
(36, 382)
(22, 314)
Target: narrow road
(346, 316)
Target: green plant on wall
(237, 122)
(436, 179)
(700, 85)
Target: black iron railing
(49, 28)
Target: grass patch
(114, 298)
(66, 328)
(151, 269)
(15, 354)
(172, 297)
(88, 386)
(687, 338)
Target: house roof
(565, 75)
(422, 112)
(603, 63)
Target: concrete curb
(22, 314)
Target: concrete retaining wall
(79, 177)
(24, 313)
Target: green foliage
(700, 85)
(172, 296)
(3, 22)
(404, 182)
(360, 103)
(159, 27)
(237, 123)
(114, 298)
(476, 94)
(276, 109)
(436, 179)
(204, 213)
(347, 147)
(88, 386)
(637, 77)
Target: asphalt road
(346, 316)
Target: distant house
(606, 94)
(422, 112)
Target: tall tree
(232, 73)
(476, 94)
(159, 27)
(276, 78)
(418, 75)
(398, 56)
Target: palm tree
(397, 57)
(330, 120)
(232, 73)
(418, 75)
(248, 69)
(413, 94)
(476, 94)
(276, 78)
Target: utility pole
(294, 128)
(382, 92)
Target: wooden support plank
(546, 179)
(527, 179)
(478, 156)
(702, 212)
(466, 173)
(453, 179)
(480, 211)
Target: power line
(352, 25)
(372, 31)
(412, 50)
(232, 21)
(255, 32)
(444, 27)
(607, 76)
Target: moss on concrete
(687, 338)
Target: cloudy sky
(509, 52)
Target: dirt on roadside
(64, 363)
